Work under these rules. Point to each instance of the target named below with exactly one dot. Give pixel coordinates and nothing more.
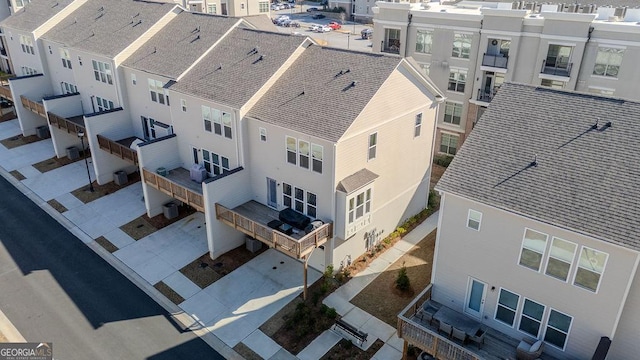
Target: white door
(476, 292)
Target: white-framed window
(211, 9)
(215, 121)
(22, 3)
(26, 43)
(534, 244)
(206, 118)
(303, 153)
(452, 112)
(424, 40)
(102, 72)
(561, 255)
(531, 317)
(226, 125)
(457, 80)
(263, 134)
(317, 155)
(426, 68)
(134, 80)
(608, 62)
(418, 125)
(28, 71)
(263, 6)
(461, 46)
(558, 327)
(292, 150)
(373, 144)
(474, 219)
(241, 6)
(216, 117)
(300, 200)
(449, 143)
(183, 105)
(68, 88)
(507, 307)
(601, 91)
(104, 104)
(591, 266)
(157, 92)
(554, 84)
(66, 58)
(214, 164)
(359, 205)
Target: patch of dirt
(106, 244)
(346, 350)
(55, 162)
(138, 228)
(160, 221)
(86, 196)
(377, 298)
(57, 206)
(8, 116)
(246, 353)
(3, 339)
(16, 174)
(19, 140)
(169, 293)
(436, 174)
(204, 271)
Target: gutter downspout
(575, 87)
(406, 37)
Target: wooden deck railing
(64, 123)
(174, 189)
(115, 148)
(297, 248)
(34, 106)
(5, 92)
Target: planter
(170, 210)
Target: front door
(272, 193)
(475, 298)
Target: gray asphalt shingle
(586, 180)
(356, 180)
(35, 14)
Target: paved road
(53, 288)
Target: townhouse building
(233, 8)
(540, 239)
(471, 48)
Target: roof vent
(354, 83)
(155, 50)
(138, 23)
(535, 160)
(219, 67)
(101, 8)
(99, 16)
(607, 125)
(595, 126)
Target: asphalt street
(54, 288)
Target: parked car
(366, 33)
(285, 6)
(275, 7)
(318, 16)
(311, 9)
(4, 103)
(334, 25)
(294, 24)
(323, 29)
(314, 27)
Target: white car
(314, 27)
(323, 29)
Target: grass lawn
(19, 140)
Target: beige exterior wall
(625, 344)
(88, 86)
(499, 243)
(152, 156)
(139, 99)
(20, 58)
(56, 71)
(64, 106)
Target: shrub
(401, 230)
(328, 272)
(442, 160)
(433, 199)
(402, 282)
(332, 313)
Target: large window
(608, 62)
(26, 42)
(216, 121)
(214, 163)
(424, 39)
(317, 156)
(359, 205)
(373, 144)
(533, 247)
(104, 104)
(457, 80)
(263, 6)
(211, 9)
(531, 317)
(292, 150)
(560, 258)
(28, 71)
(449, 143)
(301, 152)
(590, 268)
(452, 113)
(68, 88)
(263, 134)
(66, 58)
(461, 46)
(102, 72)
(300, 200)
(418, 125)
(183, 105)
(507, 307)
(391, 41)
(557, 330)
(206, 118)
(157, 92)
(226, 125)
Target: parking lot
(348, 37)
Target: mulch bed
(169, 293)
(86, 196)
(144, 225)
(346, 350)
(57, 206)
(106, 244)
(8, 116)
(55, 162)
(19, 140)
(204, 271)
(16, 174)
(246, 353)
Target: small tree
(402, 282)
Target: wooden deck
(119, 148)
(34, 106)
(72, 124)
(5, 90)
(178, 185)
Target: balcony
(119, 148)
(392, 46)
(563, 69)
(252, 218)
(485, 96)
(5, 91)
(422, 334)
(178, 185)
(495, 61)
(34, 106)
(72, 124)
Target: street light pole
(86, 162)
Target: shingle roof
(356, 180)
(177, 45)
(586, 180)
(232, 72)
(312, 97)
(261, 22)
(35, 14)
(107, 27)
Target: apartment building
(471, 48)
(233, 8)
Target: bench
(351, 330)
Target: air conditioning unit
(198, 173)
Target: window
(531, 317)
(211, 9)
(134, 81)
(68, 88)
(533, 247)
(26, 43)
(601, 91)
(183, 105)
(558, 58)
(558, 327)
(424, 39)
(507, 306)
(474, 219)
(425, 68)
(608, 62)
(298, 152)
(66, 58)
(461, 46)
(554, 84)
(102, 72)
(300, 200)
(28, 71)
(104, 104)
(292, 150)
(316, 156)
(226, 123)
(560, 258)
(303, 154)
(206, 118)
(373, 143)
(241, 6)
(448, 143)
(418, 125)
(359, 205)
(391, 41)
(452, 113)
(217, 121)
(457, 80)
(286, 195)
(157, 92)
(263, 134)
(214, 163)
(590, 268)
(263, 6)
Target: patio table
(457, 320)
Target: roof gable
(35, 14)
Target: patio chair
(529, 349)
(478, 338)
(459, 335)
(427, 311)
(445, 328)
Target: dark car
(4, 103)
(318, 16)
(311, 9)
(366, 33)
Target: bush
(433, 199)
(332, 313)
(402, 282)
(442, 160)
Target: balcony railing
(485, 96)
(174, 189)
(297, 248)
(115, 148)
(496, 61)
(5, 90)
(34, 106)
(72, 125)
(557, 70)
